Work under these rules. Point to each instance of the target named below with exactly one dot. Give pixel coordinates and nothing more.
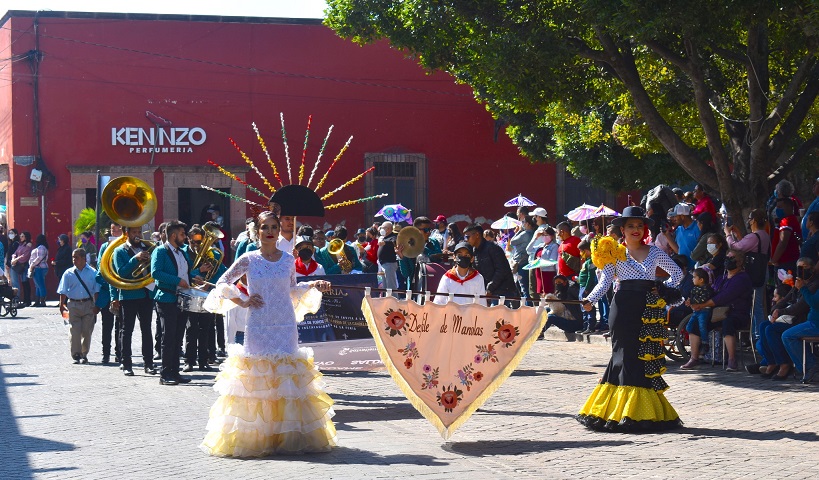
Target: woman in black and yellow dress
(630, 395)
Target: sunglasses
(426, 230)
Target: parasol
(505, 223)
(582, 213)
(395, 213)
(604, 211)
(519, 201)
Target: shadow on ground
(523, 447)
(537, 373)
(354, 456)
(14, 457)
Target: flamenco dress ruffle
(269, 404)
(630, 397)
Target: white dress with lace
(272, 399)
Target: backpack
(756, 264)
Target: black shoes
(127, 372)
(76, 358)
(221, 353)
(84, 360)
(753, 369)
(206, 368)
(181, 379)
(158, 356)
(106, 359)
(150, 370)
(167, 381)
(188, 368)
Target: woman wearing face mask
(462, 278)
(735, 291)
(13, 243)
(19, 265)
(715, 258)
(705, 222)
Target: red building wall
(105, 72)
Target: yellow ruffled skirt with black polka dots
(630, 396)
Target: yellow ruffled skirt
(631, 395)
(271, 404)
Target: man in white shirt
(78, 287)
(286, 236)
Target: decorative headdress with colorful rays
(291, 189)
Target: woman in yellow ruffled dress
(271, 395)
(630, 396)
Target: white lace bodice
(271, 328)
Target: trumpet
(130, 202)
(144, 266)
(336, 248)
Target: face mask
(780, 213)
(463, 262)
(712, 248)
(559, 240)
(547, 239)
(382, 232)
(305, 254)
(11, 236)
(730, 263)
(362, 239)
(583, 229)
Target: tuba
(130, 202)
(207, 252)
(336, 248)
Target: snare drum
(191, 300)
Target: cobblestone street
(60, 420)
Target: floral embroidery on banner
(410, 351)
(396, 321)
(467, 375)
(486, 353)
(505, 333)
(449, 397)
(430, 378)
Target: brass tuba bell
(130, 202)
(206, 252)
(412, 240)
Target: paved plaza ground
(59, 420)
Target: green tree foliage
(725, 88)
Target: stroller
(8, 298)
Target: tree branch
(623, 64)
(727, 54)
(670, 56)
(783, 170)
(709, 123)
(790, 94)
(586, 51)
(791, 125)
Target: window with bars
(402, 176)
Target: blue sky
(255, 8)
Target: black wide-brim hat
(297, 201)
(632, 212)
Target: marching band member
(134, 303)
(108, 303)
(170, 267)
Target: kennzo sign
(158, 140)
